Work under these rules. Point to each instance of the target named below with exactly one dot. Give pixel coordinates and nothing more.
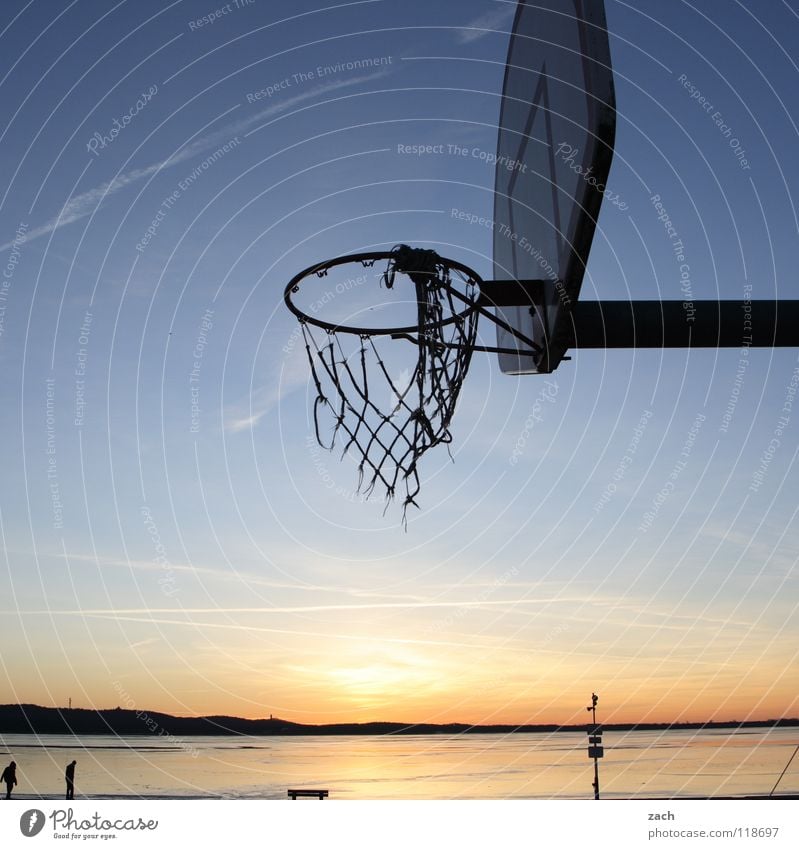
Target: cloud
(240, 577)
(317, 91)
(88, 202)
(291, 376)
(82, 205)
(141, 643)
(309, 608)
(483, 25)
(492, 644)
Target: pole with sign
(595, 749)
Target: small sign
(596, 752)
(595, 740)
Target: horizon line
(407, 724)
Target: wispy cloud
(491, 644)
(483, 25)
(503, 644)
(148, 642)
(629, 615)
(82, 205)
(241, 577)
(291, 376)
(86, 203)
(310, 94)
(305, 608)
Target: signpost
(595, 749)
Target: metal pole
(593, 734)
(679, 324)
(596, 778)
(784, 771)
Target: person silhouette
(9, 776)
(70, 777)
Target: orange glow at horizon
(526, 655)
(411, 685)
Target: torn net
(388, 422)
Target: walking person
(70, 777)
(9, 777)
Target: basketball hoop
(387, 423)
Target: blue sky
(234, 567)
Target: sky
(173, 537)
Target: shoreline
(119, 722)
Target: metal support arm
(681, 324)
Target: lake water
(475, 766)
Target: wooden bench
(311, 794)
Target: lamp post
(595, 749)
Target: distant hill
(33, 719)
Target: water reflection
(482, 766)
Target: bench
(311, 794)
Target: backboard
(554, 149)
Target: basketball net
(387, 424)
